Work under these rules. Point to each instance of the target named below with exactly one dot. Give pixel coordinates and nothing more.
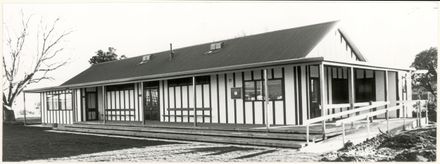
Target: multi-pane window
(253, 90)
(188, 81)
(339, 85)
(59, 100)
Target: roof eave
(180, 74)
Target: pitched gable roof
(272, 46)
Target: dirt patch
(413, 145)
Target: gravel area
(193, 152)
(414, 145)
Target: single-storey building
(281, 77)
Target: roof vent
(171, 52)
(216, 46)
(145, 59)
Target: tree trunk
(8, 115)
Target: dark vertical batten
(181, 104)
(397, 93)
(284, 95)
(307, 91)
(295, 92)
(226, 97)
(174, 95)
(262, 102)
(235, 102)
(218, 100)
(300, 95)
(187, 92)
(253, 102)
(168, 101)
(210, 101)
(244, 104)
(203, 102)
(273, 101)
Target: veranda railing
(402, 105)
(362, 107)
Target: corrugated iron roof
(272, 46)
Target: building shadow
(218, 150)
(256, 154)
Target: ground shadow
(218, 150)
(256, 154)
(22, 143)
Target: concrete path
(335, 143)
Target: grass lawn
(21, 143)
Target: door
(315, 99)
(91, 106)
(151, 104)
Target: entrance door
(91, 106)
(151, 104)
(315, 99)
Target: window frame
(59, 95)
(372, 95)
(263, 89)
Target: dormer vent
(145, 59)
(216, 46)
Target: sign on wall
(236, 93)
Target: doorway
(91, 106)
(151, 102)
(315, 99)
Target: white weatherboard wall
(333, 47)
(216, 96)
(55, 116)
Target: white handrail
(346, 105)
(326, 117)
(364, 116)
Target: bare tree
(16, 77)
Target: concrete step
(188, 136)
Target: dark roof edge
(180, 74)
(212, 70)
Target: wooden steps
(245, 137)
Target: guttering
(165, 76)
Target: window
(249, 90)
(365, 89)
(339, 85)
(275, 89)
(340, 91)
(59, 100)
(188, 81)
(119, 87)
(253, 90)
(259, 90)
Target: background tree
(18, 74)
(426, 60)
(102, 56)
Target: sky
(389, 33)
